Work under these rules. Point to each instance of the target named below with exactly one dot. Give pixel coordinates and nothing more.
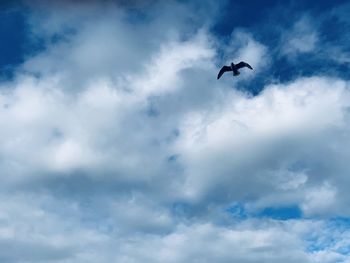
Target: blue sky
(118, 143)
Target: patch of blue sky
(281, 213)
(327, 243)
(17, 39)
(326, 238)
(332, 236)
(344, 250)
(315, 245)
(269, 20)
(238, 210)
(13, 36)
(265, 18)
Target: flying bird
(234, 68)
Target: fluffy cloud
(118, 144)
(247, 148)
(45, 229)
(243, 46)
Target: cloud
(209, 243)
(69, 232)
(243, 47)
(247, 148)
(118, 144)
(320, 37)
(302, 38)
(319, 200)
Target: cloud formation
(118, 144)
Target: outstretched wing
(243, 64)
(223, 70)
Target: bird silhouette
(234, 68)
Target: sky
(118, 143)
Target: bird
(234, 68)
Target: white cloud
(243, 47)
(302, 38)
(320, 200)
(118, 144)
(248, 148)
(42, 228)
